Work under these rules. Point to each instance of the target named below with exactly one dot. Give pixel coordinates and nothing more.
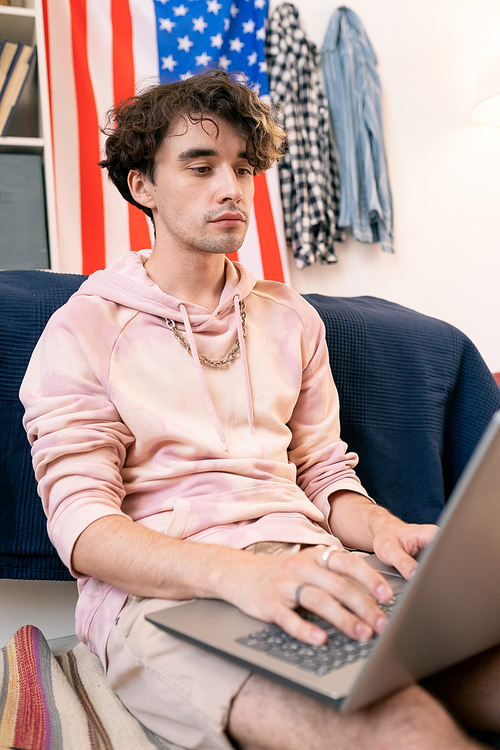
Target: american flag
(100, 51)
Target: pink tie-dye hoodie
(123, 420)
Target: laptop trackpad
(377, 564)
(393, 576)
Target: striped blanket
(62, 702)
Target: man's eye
(200, 170)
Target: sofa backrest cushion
(27, 300)
(415, 398)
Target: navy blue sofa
(415, 398)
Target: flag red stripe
(91, 194)
(123, 61)
(124, 86)
(49, 84)
(140, 239)
(269, 247)
(47, 62)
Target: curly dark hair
(137, 127)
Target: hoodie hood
(126, 283)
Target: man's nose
(229, 188)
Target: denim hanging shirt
(352, 88)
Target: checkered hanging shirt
(309, 172)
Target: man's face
(203, 189)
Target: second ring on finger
(328, 551)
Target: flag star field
(194, 35)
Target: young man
(186, 442)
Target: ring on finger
(328, 551)
(298, 592)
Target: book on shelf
(21, 62)
(8, 51)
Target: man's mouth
(229, 219)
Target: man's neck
(193, 277)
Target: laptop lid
(449, 612)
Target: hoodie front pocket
(192, 515)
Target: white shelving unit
(30, 130)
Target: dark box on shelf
(23, 224)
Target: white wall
(50, 605)
(445, 170)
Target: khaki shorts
(177, 690)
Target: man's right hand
(343, 589)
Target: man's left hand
(398, 543)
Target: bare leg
(266, 716)
(471, 691)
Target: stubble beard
(228, 244)
(231, 239)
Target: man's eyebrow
(196, 153)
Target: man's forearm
(144, 562)
(356, 520)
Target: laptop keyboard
(338, 651)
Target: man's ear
(140, 188)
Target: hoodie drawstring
(243, 352)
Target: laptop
(447, 613)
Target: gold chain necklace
(204, 360)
